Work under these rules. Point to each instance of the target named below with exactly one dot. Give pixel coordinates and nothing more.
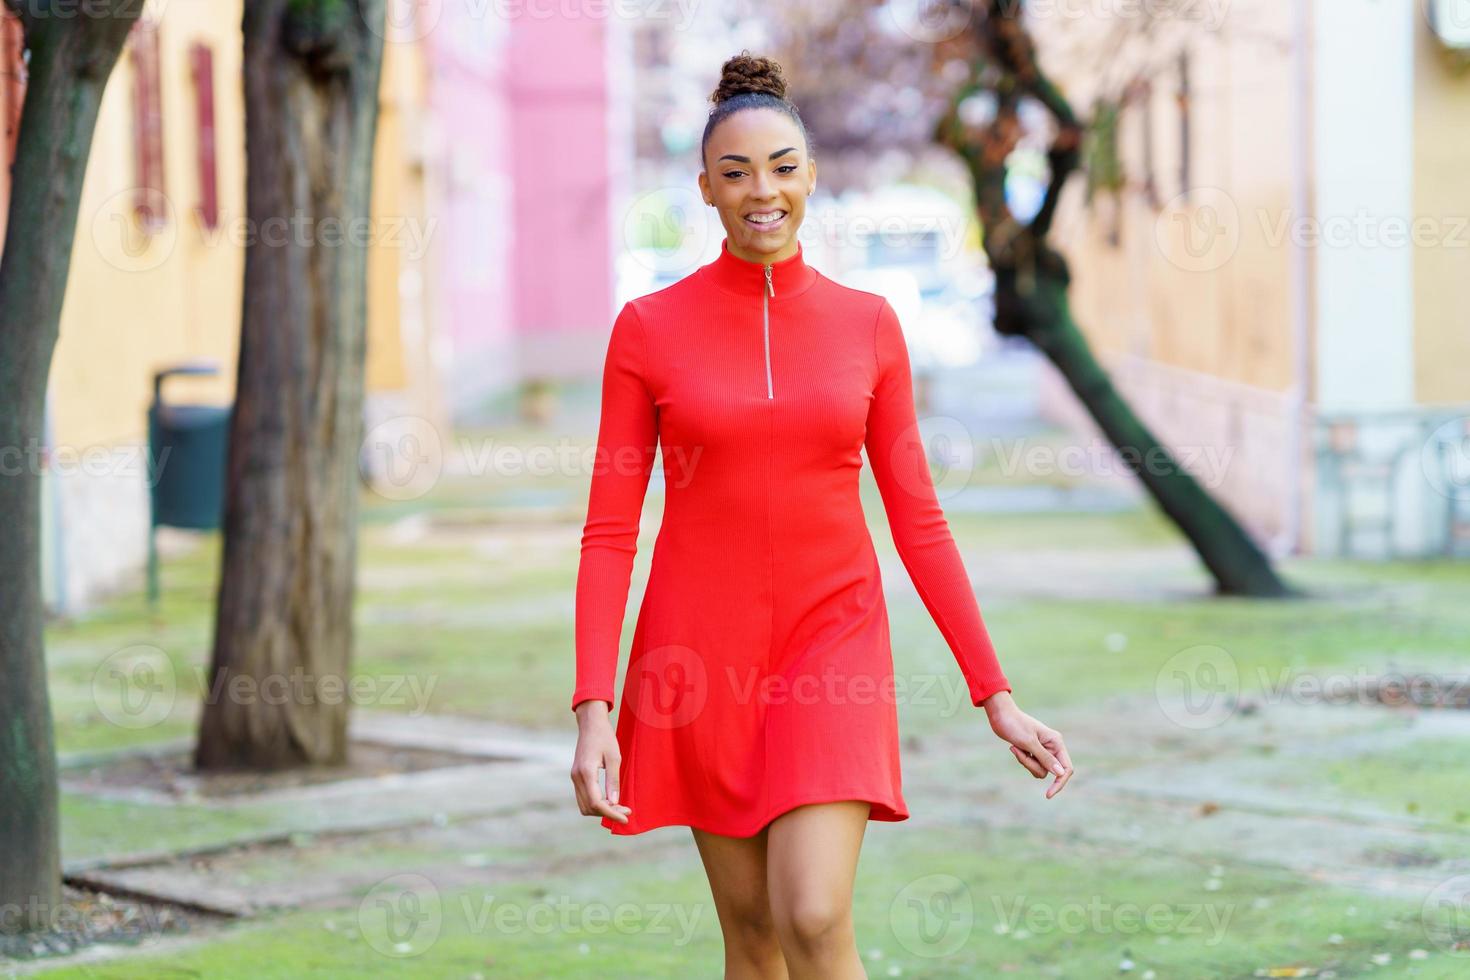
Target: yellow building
(1281, 279)
(156, 277)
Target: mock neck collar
(789, 277)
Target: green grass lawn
(1426, 780)
(954, 901)
(481, 626)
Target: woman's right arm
(627, 441)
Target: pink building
(526, 130)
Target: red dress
(761, 671)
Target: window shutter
(150, 203)
(201, 64)
(13, 80)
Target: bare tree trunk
(71, 58)
(1032, 282)
(284, 618)
(1237, 565)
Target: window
(150, 202)
(1185, 177)
(201, 66)
(12, 79)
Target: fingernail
(1058, 770)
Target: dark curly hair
(749, 82)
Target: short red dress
(761, 672)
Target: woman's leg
(736, 867)
(812, 857)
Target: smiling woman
(759, 706)
(760, 195)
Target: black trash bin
(187, 451)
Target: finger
(613, 767)
(1056, 787)
(613, 812)
(602, 806)
(1053, 741)
(1044, 757)
(1060, 750)
(1029, 763)
(583, 784)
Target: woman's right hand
(597, 748)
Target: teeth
(767, 217)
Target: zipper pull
(769, 287)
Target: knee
(813, 925)
(753, 923)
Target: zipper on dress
(769, 291)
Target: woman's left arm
(896, 452)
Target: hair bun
(747, 73)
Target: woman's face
(756, 167)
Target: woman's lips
(767, 225)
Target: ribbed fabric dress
(761, 672)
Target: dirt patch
(172, 773)
(1419, 690)
(88, 918)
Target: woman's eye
(737, 174)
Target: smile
(766, 221)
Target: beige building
(1281, 283)
(156, 275)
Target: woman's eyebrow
(737, 157)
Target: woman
(759, 708)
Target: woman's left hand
(1036, 747)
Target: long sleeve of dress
(627, 440)
(921, 534)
